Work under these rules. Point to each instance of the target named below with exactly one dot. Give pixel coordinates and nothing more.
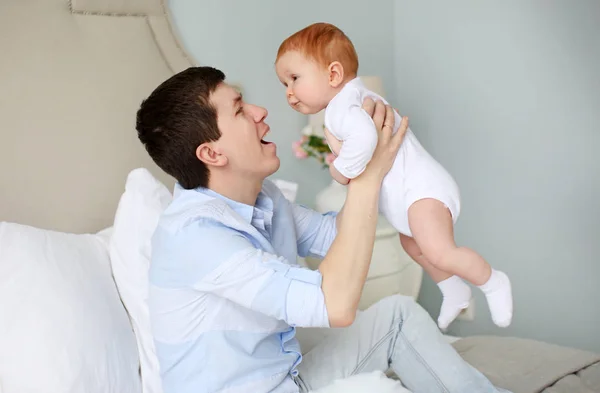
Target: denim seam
(423, 362)
(396, 327)
(302, 384)
(375, 347)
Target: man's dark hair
(177, 118)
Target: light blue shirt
(226, 292)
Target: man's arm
(345, 266)
(224, 263)
(314, 231)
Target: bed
(73, 250)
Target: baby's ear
(336, 74)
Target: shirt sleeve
(359, 139)
(232, 268)
(314, 231)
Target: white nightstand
(392, 271)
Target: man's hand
(381, 115)
(388, 143)
(345, 267)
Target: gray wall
(507, 96)
(241, 38)
(504, 94)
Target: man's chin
(274, 167)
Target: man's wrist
(367, 180)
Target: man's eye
(240, 110)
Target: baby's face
(306, 82)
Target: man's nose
(259, 113)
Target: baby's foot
(498, 293)
(457, 296)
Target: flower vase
(331, 198)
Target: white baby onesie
(415, 174)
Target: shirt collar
(357, 82)
(264, 205)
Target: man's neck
(243, 190)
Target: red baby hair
(323, 43)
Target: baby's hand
(334, 144)
(337, 176)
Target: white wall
(242, 37)
(507, 96)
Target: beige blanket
(528, 366)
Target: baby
(318, 66)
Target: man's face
(242, 129)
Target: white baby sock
(457, 295)
(498, 293)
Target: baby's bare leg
(413, 250)
(456, 294)
(433, 230)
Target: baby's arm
(337, 176)
(359, 139)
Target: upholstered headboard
(72, 75)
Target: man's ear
(207, 154)
(336, 74)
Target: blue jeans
(396, 332)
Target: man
(226, 292)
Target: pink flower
(301, 154)
(329, 158)
(298, 150)
(304, 139)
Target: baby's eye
(294, 77)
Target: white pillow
(136, 218)
(63, 328)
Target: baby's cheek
(334, 144)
